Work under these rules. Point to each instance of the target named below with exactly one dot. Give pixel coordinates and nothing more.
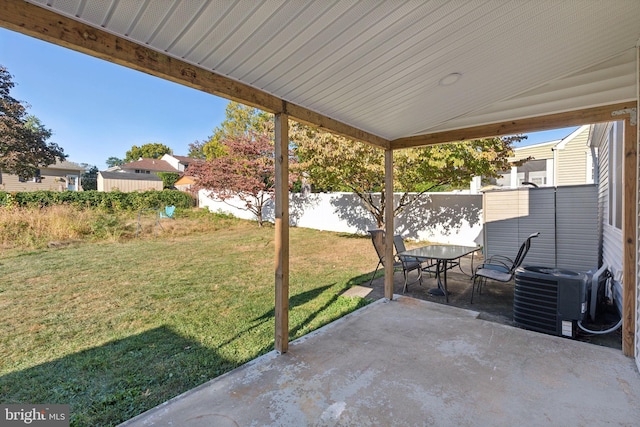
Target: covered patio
(413, 363)
(395, 75)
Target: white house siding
(538, 151)
(612, 245)
(611, 236)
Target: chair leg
(475, 285)
(406, 281)
(374, 273)
(481, 284)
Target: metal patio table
(446, 257)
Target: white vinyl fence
(454, 218)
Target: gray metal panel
(566, 218)
(512, 215)
(539, 206)
(577, 231)
(500, 211)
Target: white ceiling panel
(376, 65)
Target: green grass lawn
(114, 329)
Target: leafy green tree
(147, 151)
(168, 178)
(333, 163)
(114, 161)
(89, 178)
(23, 138)
(195, 150)
(241, 121)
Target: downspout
(596, 165)
(555, 166)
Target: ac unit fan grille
(535, 304)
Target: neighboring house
(142, 175)
(180, 163)
(184, 183)
(148, 166)
(128, 182)
(607, 138)
(568, 161)
(61, 176)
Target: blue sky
(97, 109)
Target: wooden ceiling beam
(44, 24)
(514, 127)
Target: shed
(128, 182)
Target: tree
(114, 161)
(23, 138)
(89, 177)
(245, 171)
(240, 121)
(333, 163)
(147, 151)
(168, 178)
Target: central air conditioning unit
(549, 300)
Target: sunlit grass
(117, 327)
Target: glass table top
(443, 252)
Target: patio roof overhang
(392, 74)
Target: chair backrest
(377, 237)
(399, 244)
(522, 252)
(169, 210)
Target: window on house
(504, 180)
(35, 178)
(538, 178)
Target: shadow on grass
(109, 384)
(112, 383)
(301, 324)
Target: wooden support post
(282, 233)
(388, 224)
(629, 234)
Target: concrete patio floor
(410, 362)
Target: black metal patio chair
(499, 267)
